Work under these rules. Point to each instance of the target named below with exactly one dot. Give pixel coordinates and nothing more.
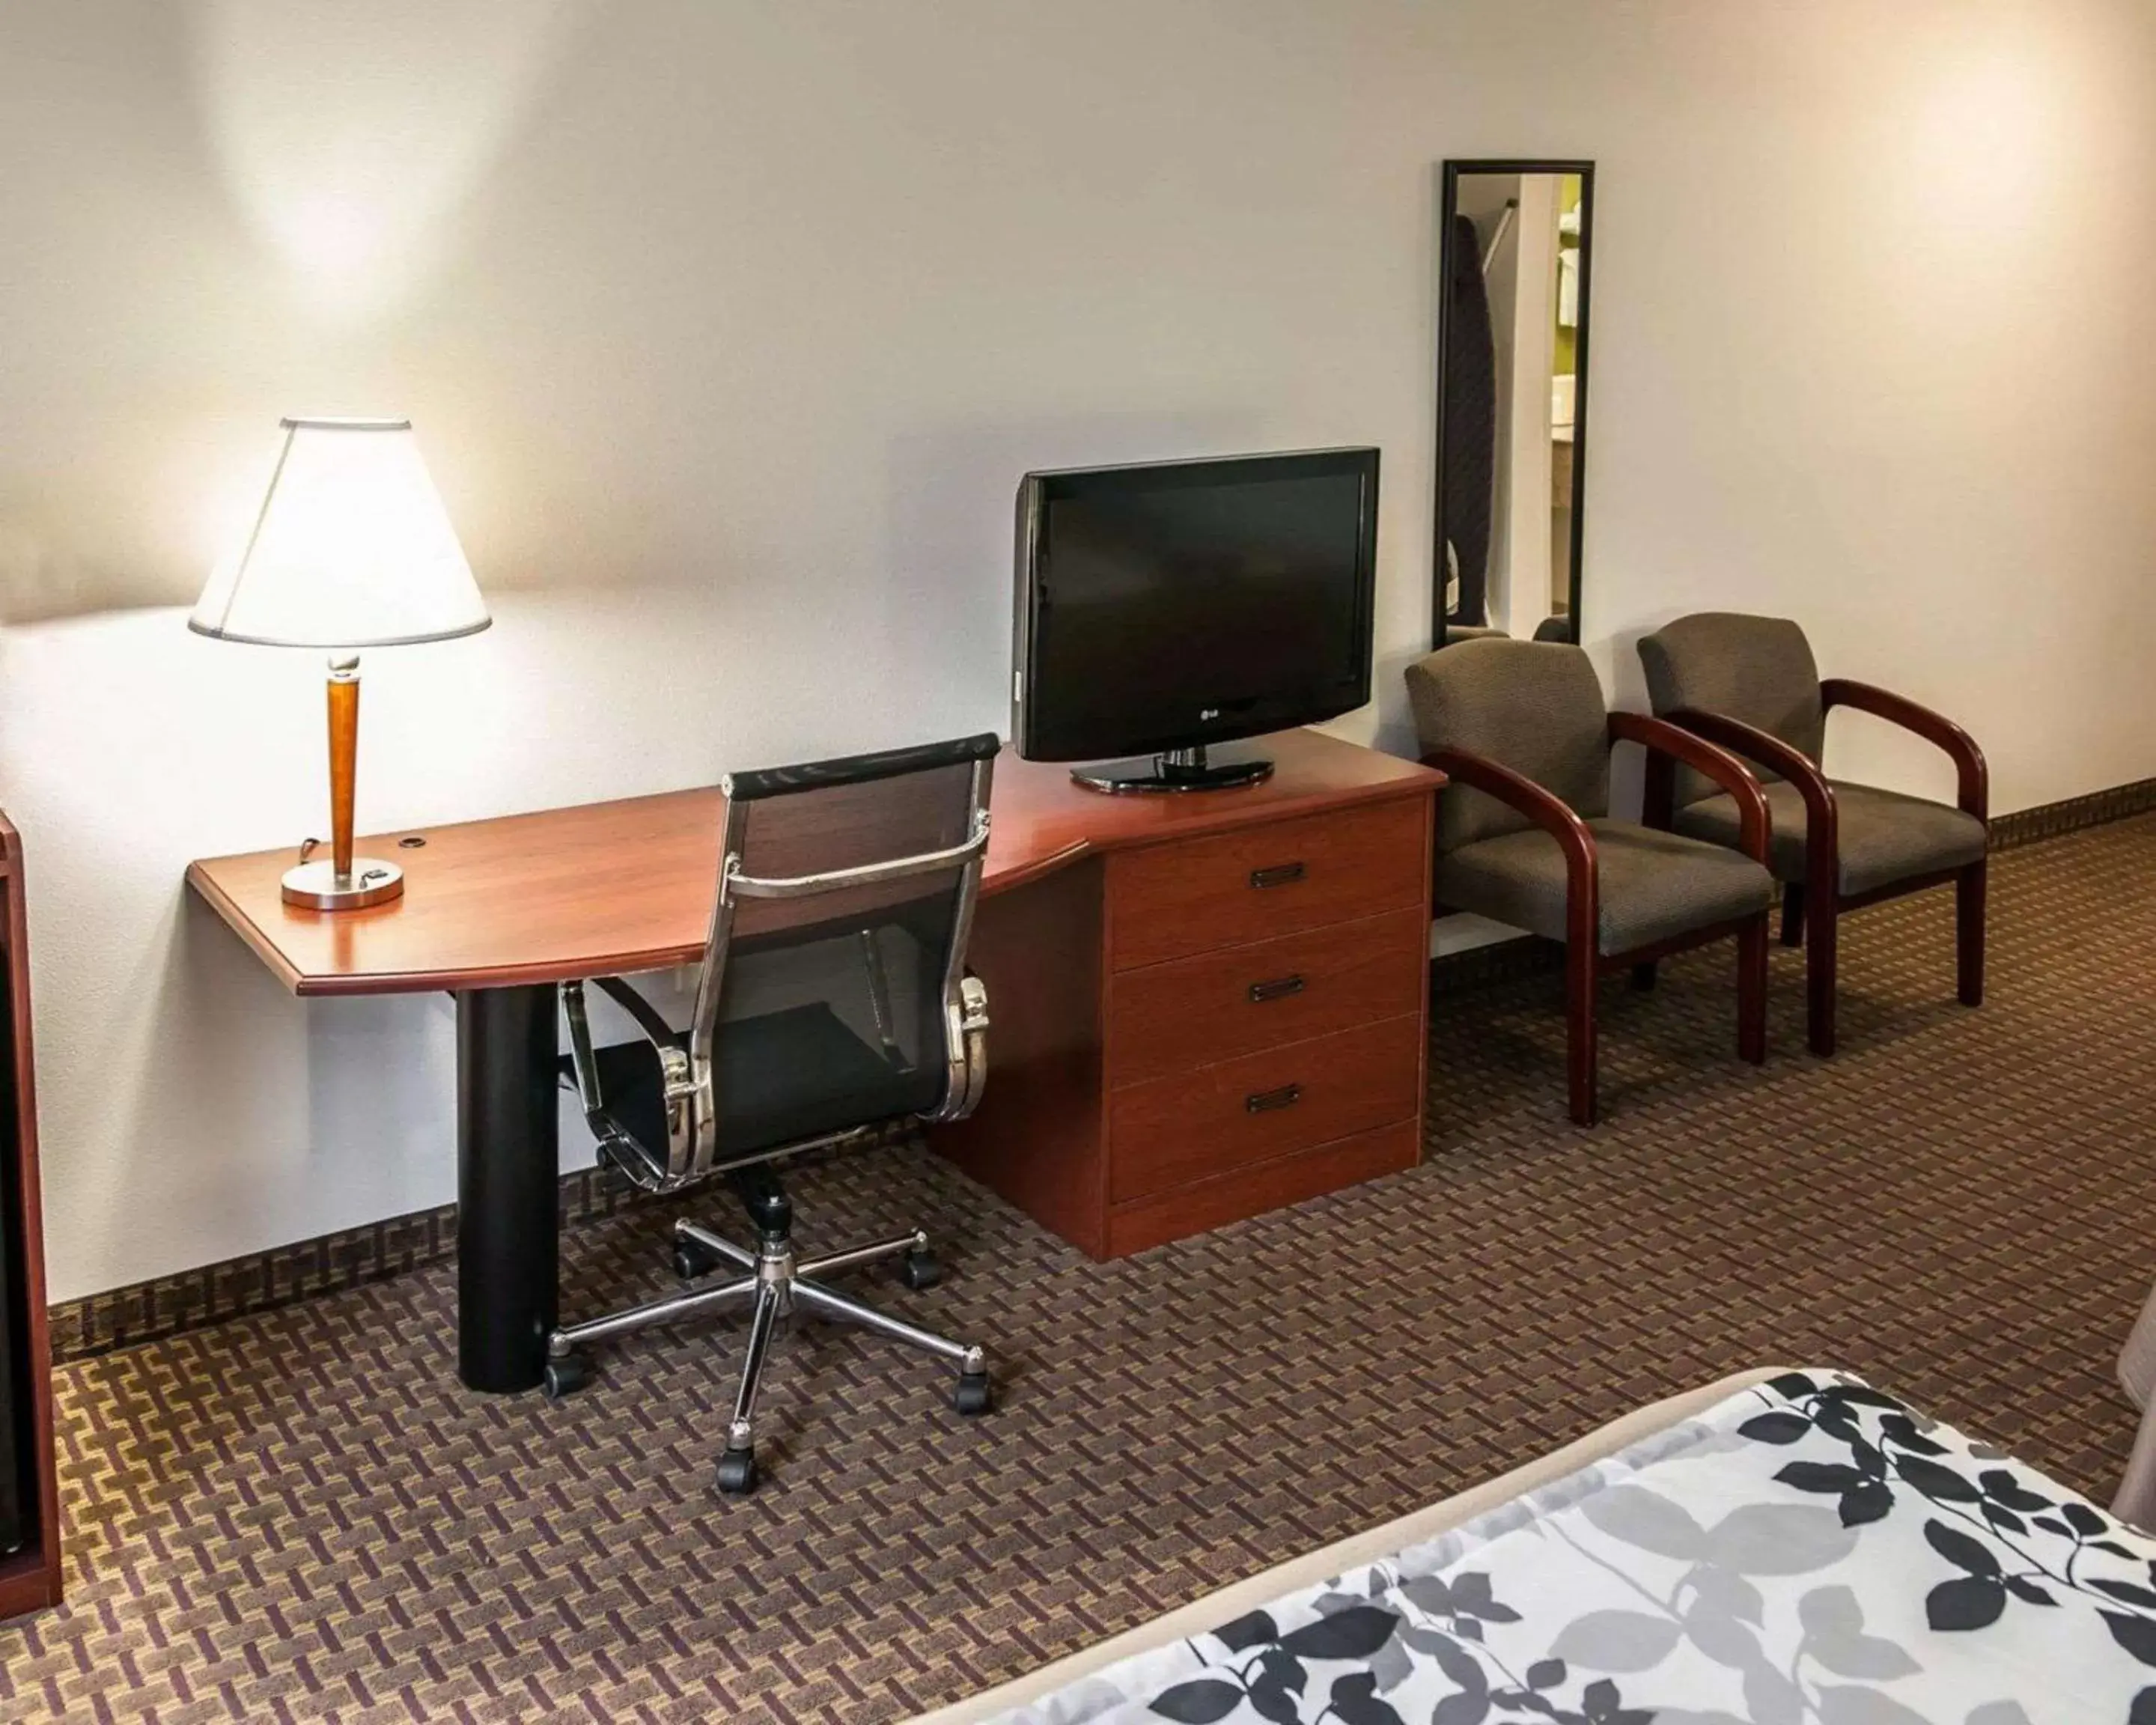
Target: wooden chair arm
(1547, 811)
(1822, 821)
(1971, 775)
(1748, 742)
(1754, 825)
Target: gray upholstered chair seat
(1525, 731)
(1654, 886)
(1885, 836)
(1729, 676)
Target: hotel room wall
(729, 328)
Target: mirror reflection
(1511, 386)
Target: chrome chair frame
(773, 1278)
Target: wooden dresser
(1202, 1006)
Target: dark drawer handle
(1286, 1096)
(1280, 874)
(1279, 988)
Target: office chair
(833, 1000)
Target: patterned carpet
(301, 1515)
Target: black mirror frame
(1448, 205)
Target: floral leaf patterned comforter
(1808, 1553)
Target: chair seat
(1653, 886)
(1885, 836)
(782, 1077)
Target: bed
(1787, 1546)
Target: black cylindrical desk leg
(506, 1184)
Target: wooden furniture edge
(1423, 1004)
(30, 1579)
(1039, 869)
(206, 888)
(1423, 782)
(1414, 780)
(1294, 1177)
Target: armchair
(1750, 685)
(1525, 835)
(832, 1000)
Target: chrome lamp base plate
(318, 886)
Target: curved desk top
(610, 888)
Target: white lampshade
(352, 548)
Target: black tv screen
(1165, 607)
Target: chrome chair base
(774, 1285)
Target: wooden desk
(498, 912)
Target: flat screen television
(1165, 608)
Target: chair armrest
(1545, 810)
(1753, 823)
(1822, 820)
(1973, 775)
(648, 1019)
(1748, 742)
(651, 1166)
(665, 1039)
(965, 1048)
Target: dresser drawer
(1192, 1012)
(1251, 1191)
(1172, 901)
(1185, 1127)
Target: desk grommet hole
(412, 841)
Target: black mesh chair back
(846, 895)
(832, 997)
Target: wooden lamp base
(345, 882)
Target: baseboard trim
(284, 1275)
(352, 1257)
(2053, 820)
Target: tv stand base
(1177, 770)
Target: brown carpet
(302, 1516)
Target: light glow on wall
(352, 136)
(1994, 130)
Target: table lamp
(351, 548)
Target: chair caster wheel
(738, 1472)
(692, 1258)
(921, 1271)
(565, 1375)
(972, 1395)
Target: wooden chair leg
(1793, 914)
(1752, 991)
(1968, 933)
(1821, 916)
(1579, 1032)
(1643, 977)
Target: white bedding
(1806, 1551)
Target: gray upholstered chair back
(1759, 670)
(1536, 707)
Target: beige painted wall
(729, 327)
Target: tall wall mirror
(1514, 242)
